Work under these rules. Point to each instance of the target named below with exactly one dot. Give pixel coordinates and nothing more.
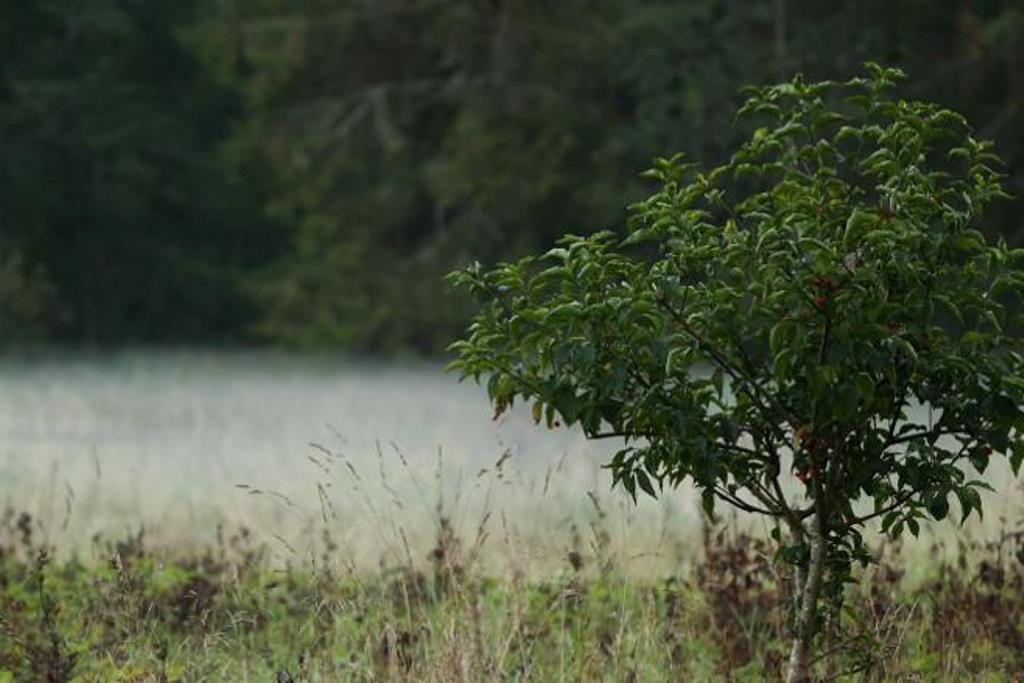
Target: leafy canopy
(770, 328)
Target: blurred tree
(106, 180)
(405, 136)
(28, 307)
(304, 172)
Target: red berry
(807, 474)
(821, 302)
(894, 327)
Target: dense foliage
(302, 173)
(117, 222)
(802, 298)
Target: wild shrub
(770, 328)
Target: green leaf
(644, 482)
(938, 507)
(865, 386)
(913, 526)
(707, 502)
(969, 500)
(973, 338)
(776, 338)
(628, 482)
(1016, 456)
(718, 379)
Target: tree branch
(742, 504)
(897, 440)
(899, 500)
(744, 383)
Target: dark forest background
(302, 174)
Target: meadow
(186, 517)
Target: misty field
(260, 517)
(178, 443)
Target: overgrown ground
(222, 613)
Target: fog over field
(288, 446)
(183, 441)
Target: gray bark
(809, 589)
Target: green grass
(223, 613)
(541, 574)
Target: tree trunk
(800, 654)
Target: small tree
(771, 328)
